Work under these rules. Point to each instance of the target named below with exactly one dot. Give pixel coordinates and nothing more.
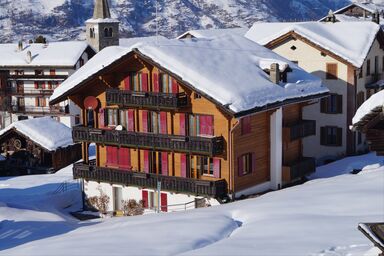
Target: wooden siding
(258, 142)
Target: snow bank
(375, 101)
(53, 54)
(316, 218)
(45, 131)
(227, 68)
(349, 40)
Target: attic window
(197, 96)
(293, 48)
(323, 54)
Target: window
(293, 48)
(332, 104)
(112, 117)
(331, 136)
(77, 119)
(165, 83)
(19, 72)
(331, 71)
(360, 98)
(200, 125)
(245, 164)
(108, 32)
(40, 102)
(368, 71)
(39, 72)
(204, 165)
(52, 72)
(196, 96)
(246, 125)
(359, 138)
(81, 62)
(39, 85)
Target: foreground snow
(317, 218)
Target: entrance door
(117, 198)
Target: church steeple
(102, 30)
(101, 10)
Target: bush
(132, 208)
(100, 202)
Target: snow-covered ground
(317, 218)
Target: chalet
(375, 233)
(349, 58)
(369, 119)
(207, 118)
(30, 72)
(38, 145)
(365, 11)
(208, 33)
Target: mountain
(64, 19)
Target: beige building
(349, 57)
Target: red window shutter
(127, 83)
(145, 120)
(216, 167)
(124, 158)
(146, 161)
(144, 196)
(101, 115)
(36, 85)
(164, 202)
(175, 86)
(183, 160)
(50, 85)
(240, 166)
(43, 85)
(164, 163)
(131, 120)
(156, 87)
(36, 102)
(182, 124)
(115, 157)
(253, 168)
(209, 125)
(109, 155)
(144, 82)
(163, 122)
(202, 125)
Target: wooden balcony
(33, 110)
(299, 169)
(28, 92)
(212, 146)
(91, 172)
(300, 130)
(155, 100)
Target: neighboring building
(207, 118)
(365, 11)
(349, 57)
(369, 119)
(38, 145)
(208, 33)
(30, 72)
(102, 30)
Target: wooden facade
(26, 155)
(148, 121)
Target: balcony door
(200, 125)
(156, 162)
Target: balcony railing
(91, 172)
(300, 168)
(155, 100)
(300, 130)
(210, 146)
(37, 110)
(34, 92)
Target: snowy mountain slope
(318, 218)
(64, 19)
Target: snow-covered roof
(373, 104)
(60, 54)
(349, 40)
(128, 42)
(44, 131)
(371, 7)
(207, 33)
(228, 69)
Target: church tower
(102, 30)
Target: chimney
(29, 56)
(20, 46)
(331, 17)
(376, 17)
(274, 73)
